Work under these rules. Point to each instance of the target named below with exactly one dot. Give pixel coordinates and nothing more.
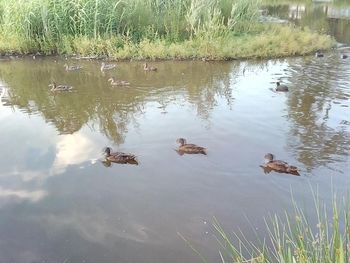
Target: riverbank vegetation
(295, 237)
(149, 29)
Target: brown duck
(105, 66)
(319, 54)
(119, 157)
(72, 68)
(279, 166)
(148, 68)
(58, 88)
(280, 87)
(117, 82)
(189, 148)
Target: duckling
(279, 166)
(71, 68)
(148, 68)
(55, 87)
(107, 66)
(344, 56)
(116, 82)
(280, 87)
(119, 157)
(319, 54)
(189, 148)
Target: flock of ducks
(188, 148)
(318, 54)
(270, 163)
(278, 165)
(104, 67)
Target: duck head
(107, 151)
(111, 80)
(318, 54)
(52, 85)
(181, 141)
(268, 157)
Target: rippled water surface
(59, 203)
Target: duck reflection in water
(278, 166)
(118, 157)
(189, 148)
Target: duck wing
(64, 87)
(75, 67)
(282, 88)
(278, 165)
(110, 66)
(120, 83)
(120, 157)
(192, 148)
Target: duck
(319, 54)
(116, 82)
(72, 68)
(148, 68)
(105, 66)
(189, 148)
(344, 56)
(279, 166)
(280, 87)
(119, 157)
(55, 87)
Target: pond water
(59, 203)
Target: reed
(123, 29)
(54, 19)
(295, 238)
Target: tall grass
(295, 237)
(124, 28)
(50, 20)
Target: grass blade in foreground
(294, 237)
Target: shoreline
(268, 42)
(9, 57)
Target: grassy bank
(218, 29)
(296, 237)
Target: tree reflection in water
(112, 109)
(316, 106)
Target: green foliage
(174, 19)
(148, 29)
(293, 238)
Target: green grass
(295, 237)
(157, 29)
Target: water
(59, 203)
(330, 18)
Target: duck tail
(293, 170)
(132, 160)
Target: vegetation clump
(155, 29)
(295, 237)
